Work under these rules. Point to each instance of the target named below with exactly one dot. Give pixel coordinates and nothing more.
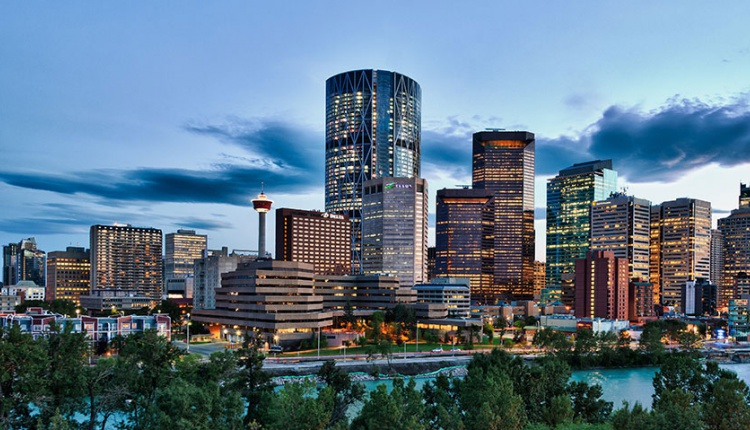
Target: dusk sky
(169, 114)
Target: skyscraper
(394, 229)
(181, 249)
(464, 238)
(621, 224)
(68, 274)
(318, 238)
(10, 255)
(681, 246)
(29, 263)
(717, 257)
(569, 198)
(373, 130)
(735, 232)
(503, 163)
(126, 258)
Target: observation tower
(262, 204)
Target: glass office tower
(373, 130)
(503, 163)
(464, 239)
(569, 198)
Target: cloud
(660, 145)
(287, 159)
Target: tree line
(49, 383)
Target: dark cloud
(657, 146)
(274, 142)
(202, 223)
(287, 159)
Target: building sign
(332, 216)
(391, 185)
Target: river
(618, 385)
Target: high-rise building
(680, 247)
(208, 271)
(735, 232)
(717, 257)
(10, 255)
(744, 196)
(126, 258)
(28, 263)
(319, 238)
(373, 130)
(68, 274)
(540, 277)
(503, 163)
(569, 198)
(621, 224)
(601, 285)
(464, 239)
(181, 249)
(394, 229)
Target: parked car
(275, 349)
(438, 349)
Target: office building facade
(464, 245)
(208, 271)
(394, 229)
(126, 258)
(621, 224)
(717, 257)
(181, 249)
(681, 246)
(68, 274)
(24, 261)
(274, 298)
(319, 238)
(735, 234)
(503, 163)
(373, 130)
(569, 198)
(601, 286)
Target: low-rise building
(116, 300)
(453, 293)
(38, 323)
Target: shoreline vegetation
(49, 383)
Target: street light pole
(318, 343)
(417, 345)
(188, 333)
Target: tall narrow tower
(262, 205)
(503, 163)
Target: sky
(170, 114)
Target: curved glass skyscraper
(373, 128)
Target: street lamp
(187, 339)
(225, 334)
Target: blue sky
(169, 114)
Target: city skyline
(138, 115)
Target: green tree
(344, 391)
(251, 380)
(22, 381)
(441, 404)
(677, 410)
(489, 330)
(143, 367)
(650, 341)
(488, 401)
(401, 409)
(587, 403)
(296, 407)
(558, 412)
(683, 372)
(636, 417)
(729, 406)
(67, 359)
